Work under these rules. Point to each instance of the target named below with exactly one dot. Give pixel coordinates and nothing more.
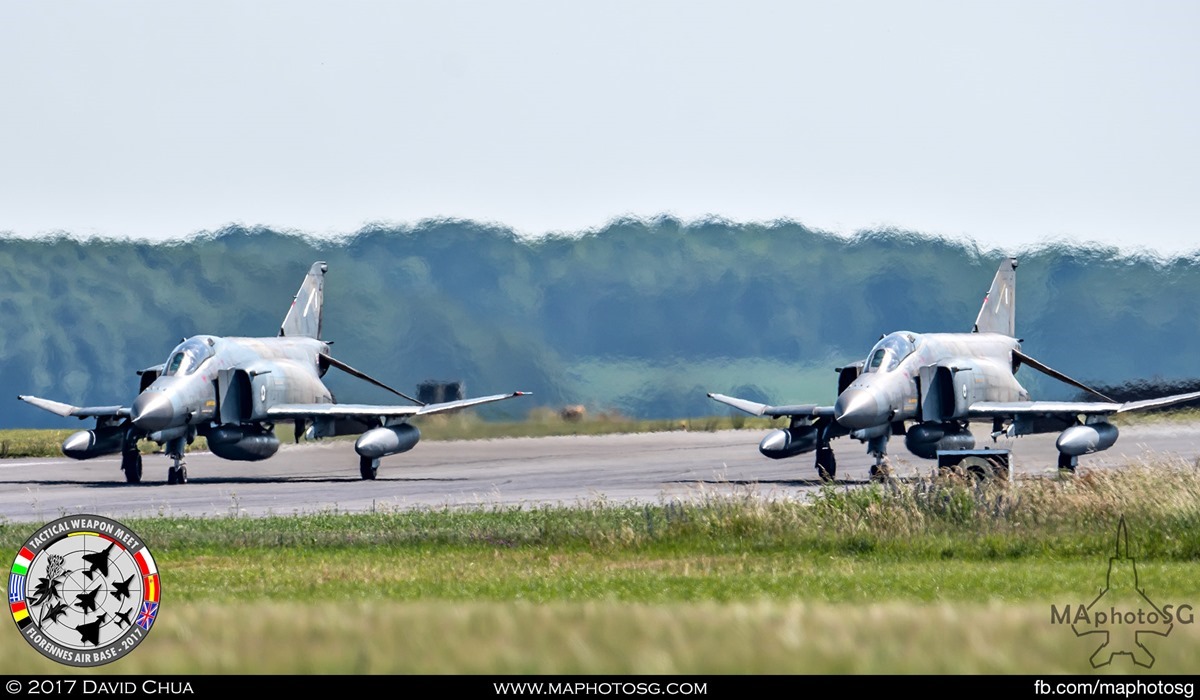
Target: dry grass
(612, 638)
(926, 576)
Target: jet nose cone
(857, 409)
(152, 411)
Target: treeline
(640, 317)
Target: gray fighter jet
(928, 387)
(233, 391)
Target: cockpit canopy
(890, 351)
(187, 356)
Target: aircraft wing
(762, 409)
(360, 410)
(65, 409)
(339, 410)
(992, 409)
(463, 403)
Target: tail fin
(304, 318)
(998, 314)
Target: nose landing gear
(177, 472)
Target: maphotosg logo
(1123, 617)
(84, 590)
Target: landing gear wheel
(881, 471)
(999, 468)
(951, 471)
(177, 475)
(976, 467)
(367, 467)
(131, 464)
(1066, 463)
(826, 463)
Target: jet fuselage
(209, 379)
(966, 368)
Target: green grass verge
(922, 577)
(756, 637)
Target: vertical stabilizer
(304, 318)
(999, 306)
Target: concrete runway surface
(640, 468)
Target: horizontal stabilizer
(65, 410)
(1050, 372)
(329, 360)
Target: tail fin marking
(304, 317)
(998, 314)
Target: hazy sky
(1010, 123)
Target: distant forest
(641, 317)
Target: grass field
(926, 577)
(604, 637)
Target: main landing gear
(826, 463)
(131, 464)
(1067, 463)
(367, 467)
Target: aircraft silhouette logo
(1123, 616)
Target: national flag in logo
(151, 588)
(146, 616)
(16, 588)
(21, 565)
(145, 562)
(21, 615)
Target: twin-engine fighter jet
(936, 384)
(233, 391)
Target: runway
(647, 468)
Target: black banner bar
(90, 683)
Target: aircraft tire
(131, 464)
(367, 467)
(976, 467)
(177, 476)
(999, 468)
(826, 463)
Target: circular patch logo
(84, 590)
